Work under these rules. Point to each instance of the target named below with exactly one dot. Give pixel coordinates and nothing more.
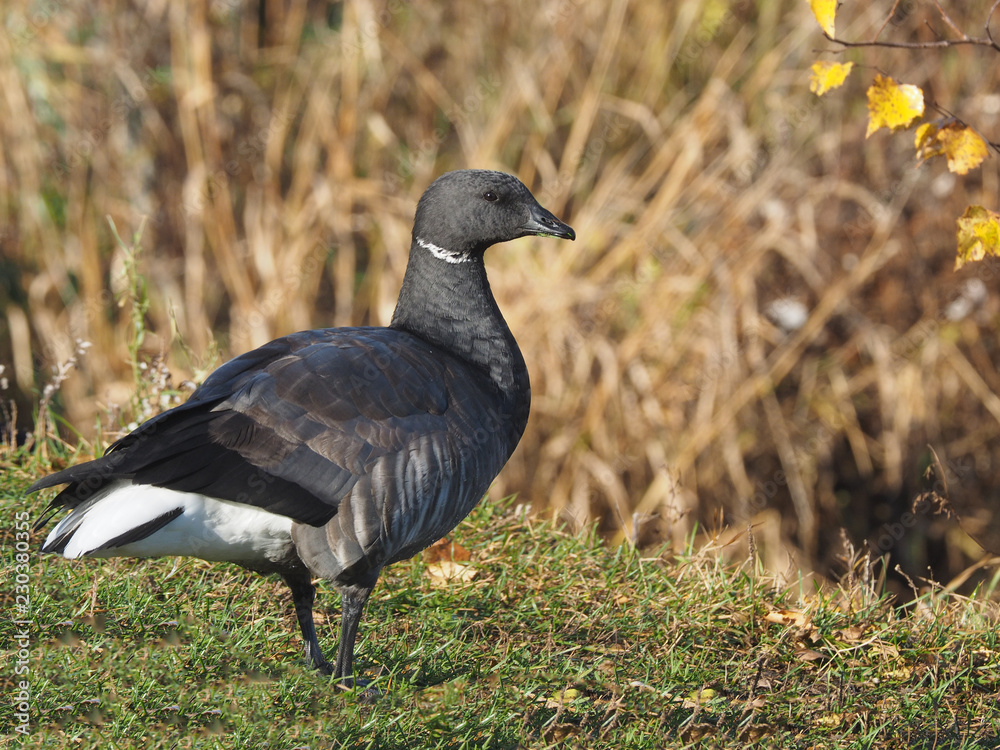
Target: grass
(273, 160)
(557, 639)
(276, 153)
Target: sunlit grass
(558, 638)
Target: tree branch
(989, 17)
(885, 23)
(940, 44)
(947, 20)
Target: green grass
(558, 640)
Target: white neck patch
(441, 253)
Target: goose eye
(490, 196)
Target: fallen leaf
(757, 732)
(561, 697)
(698, 732)
(808, 654)
(699, 698)
(850, 634)
(445, 549)
(788, 617)
(642, 685)
(887, 650)
(830, 720)
(447, 572)
(560, 732)
(900, 673)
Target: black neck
(451, 306)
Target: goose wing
(289, 427)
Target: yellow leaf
(893, 105)
(569, 694)
(825, 12)
(698, 698)
(830, 720)
(828, 75)
(560, 698)
(899, 673)
(965, 149)
(926, 141)
(963, 146)
(978, 235)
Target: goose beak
(542, 223)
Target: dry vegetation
(277, 153)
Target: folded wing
(290, 427)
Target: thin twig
(940, 44)
(885, 23)
(948, 21)
(940, 471)
(989, 16)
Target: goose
(331, 453)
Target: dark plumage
(333, 452)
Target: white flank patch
(449, 256)
(208, 528)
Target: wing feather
(290, 427)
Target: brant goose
(332, 453)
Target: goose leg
(353, 599)
(303, 596)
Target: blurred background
(759, 323)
